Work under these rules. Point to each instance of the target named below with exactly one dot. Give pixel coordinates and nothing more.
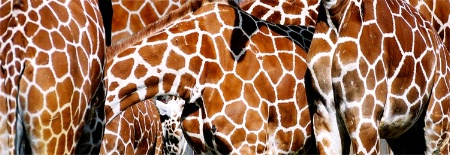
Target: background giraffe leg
(363, 133)
(329, 135)
(437, 126)
(360, 115)
(170, 110)
(92, 134)
(326, 131)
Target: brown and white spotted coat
(249, 90)
(376, 68)
(51, 73)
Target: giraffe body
(376, 67)
(205, 57)
(129, 18)
(52, 60)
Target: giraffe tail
(21, 143)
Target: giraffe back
(52, 59)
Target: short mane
(189, 7)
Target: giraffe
(375, 68)
(286, 12)
(51, 73)
(243, 111)
(129, 19)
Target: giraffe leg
(4, 125)
(436, 128)
(360, 115)
(363, 132)
(117, 133)
(170, 110)
(92, 134)
(436, 122)
(6, 128)
(326, 129)
(360, 109)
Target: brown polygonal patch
(122, 68)
(250, 96)
(231, 87)
(175, 61)
(253, 120)
(236, 112)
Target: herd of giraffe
(216, 76)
